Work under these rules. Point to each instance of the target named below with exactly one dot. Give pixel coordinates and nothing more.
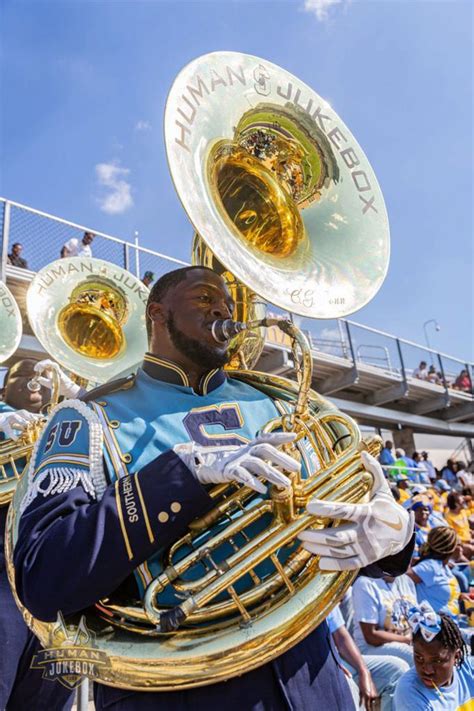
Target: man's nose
(220, 309)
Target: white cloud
(320, 8)
(142, 125)
(117, 190)
(331, 334)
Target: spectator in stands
(148, 278)
(374, 675)
(433, 376)
(442, 486)
(406, 465)
(422, 509)
(386, 457)
(433, 577)
(465, 477)
(443, 677)
(402, 485)
(374, 631)
(448, 473)
(15, 258)
(422, 371)
(428, 465)
(76, 248)
(463, 382)
(400, 463)
(458, 518)
(436, 517)
(422, 473)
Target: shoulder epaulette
(111, 387)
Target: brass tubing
(196, 555)
(279, 537)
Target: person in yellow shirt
(457, 517)
(435, 499)
(443, 489)
(402, 485)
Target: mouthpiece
(33, 385)
(222, 330)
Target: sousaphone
(10, 323)
(286, 201)
(89, 315)
(10, 336)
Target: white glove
(379, 529)
(12, 423)
(218, 465)
(67, 388)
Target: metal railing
(372, 358)
(42, 236)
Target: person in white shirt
(465, 477)
(422, 371)
(375, 632)
(78, 248)
(428, 464)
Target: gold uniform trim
(145, 512)
(207, 379)
(171, 366)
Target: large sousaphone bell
(287, 204)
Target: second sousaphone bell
(89, 315)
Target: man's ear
(156, 313)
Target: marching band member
(180, 424)
(20, 686)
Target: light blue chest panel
(145, 421)
(152, 417)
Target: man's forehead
(204, 277)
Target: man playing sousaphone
(112, 509)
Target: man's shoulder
(111, 388)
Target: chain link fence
(42, 237)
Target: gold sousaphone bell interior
(91, 324)
(288, 208)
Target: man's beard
(198, 352)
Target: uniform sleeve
(365, 602)
(79, 537)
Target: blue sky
(84, 86)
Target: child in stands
(443, 678)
